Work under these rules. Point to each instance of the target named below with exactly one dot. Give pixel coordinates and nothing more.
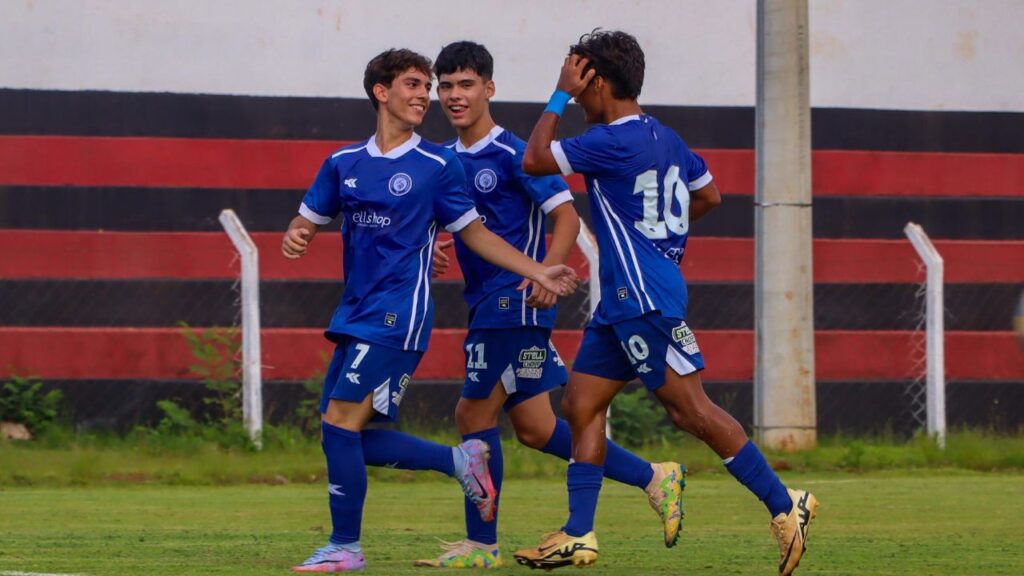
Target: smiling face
(464, 97)
(408, 97)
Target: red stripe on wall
(210, 255)
(221, 163)
(292, 354)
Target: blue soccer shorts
(523, 360)
(360, 368)
(641, 348)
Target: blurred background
(126, 127)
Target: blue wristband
(557, 102)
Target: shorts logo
(400, 184)
(622, 293)
(390, 318)
(403, 383)
(473, 377)
(684, 336)
(531, 361)
(485, 180)
(352, 377)
(503, 303)
(643, 368)
(554, 354)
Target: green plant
(635, 419)
(307, 412)
(24, 401)
(218, 364)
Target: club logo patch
(403, 383)
(503, 303)
(530, 362)
(485, 180)
(684, 336)
(622, 293)
(390, 318)
(400, 184)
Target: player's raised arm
(296, 240)
(538, 159)
(559, 279)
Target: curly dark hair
(465, 55)
(389, 64)
(617, 57)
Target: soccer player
(646, 187)
(393, 191)
(510, 360)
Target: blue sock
(752, 470)
(346, 482)
(584, 488)
(476, 529)
(405, 451)
(620, 464)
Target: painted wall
(890, 54)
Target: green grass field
(921, 522)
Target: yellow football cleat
(790, 530)
(665, 495)
(558, 549)
(464, 554)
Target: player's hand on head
(575, 77)
(441, 260)
(295, 243)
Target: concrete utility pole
(784, 398)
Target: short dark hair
(389, 64)
(465, 55)
(617, 57)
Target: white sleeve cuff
(556, 201)
(463, 221)
(700, 182)
(563, 162)
(307, 213)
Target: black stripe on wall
(151, 303)
(98, 113)
(196, 210)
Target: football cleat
(475, 478)
(558, 549)
(665, 495)
(464, 554)
(790, 530)
(332, 558)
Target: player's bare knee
(531, 437)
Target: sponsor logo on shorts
(485, 180)
(403, 383)
(622, 293)
(531, 361)
(390, 318)
(503, 303)
(400, 184)
(684, 336)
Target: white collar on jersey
(483, 142)
(373, 150)
(624, 119)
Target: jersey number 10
(652, 225)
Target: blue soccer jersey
(639, 175)
(512, 204)
(392, 204)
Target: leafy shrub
(23, 401)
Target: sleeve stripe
(556, 201)
(700, 182)
(308, 213)
(560, 158)
(463, 221)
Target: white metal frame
(252, 377)
(585, 241)
(936, 361)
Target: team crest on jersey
(503, 303)
(530, 362)
(390, 318)
(622, 293)
(685, 337)
(400, 184)
(403, 383)
(485, 180)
